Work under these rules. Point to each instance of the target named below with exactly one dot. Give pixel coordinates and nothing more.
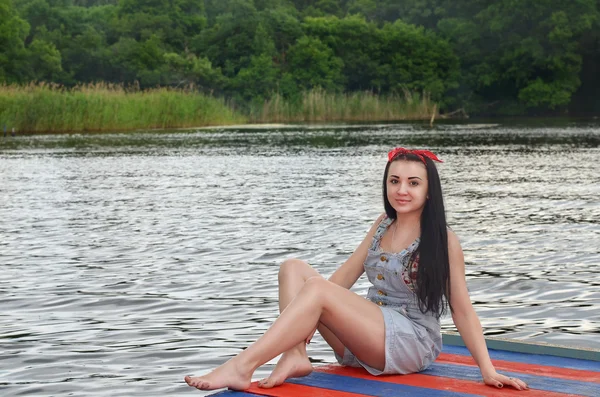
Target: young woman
(417, 271)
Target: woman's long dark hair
(433, 275)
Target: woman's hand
(498, 380)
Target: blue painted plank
(535, 382)
(232, 393)
(539, 359)
(370, 387)
(527, 347)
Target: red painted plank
(438, 383)
(532, 369)
(293, 390)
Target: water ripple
(130, 260)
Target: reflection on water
(130, 260)
(522, 136)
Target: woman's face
(407, 186)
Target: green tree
(174, 22)
(43, 60)
(518, 55)
(20, 63)
(358, 44)
(139, 60)
(257, 81)
(284, 28)
(229, 43)
(13, 31)
(396, 57)
(541, 62)
(312, 64)
(501, 57)
(366, 8)
(183, 70)
(419, 61)
(586, 100)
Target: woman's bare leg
(293, 273)
(356, 322)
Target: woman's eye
(393, 181)
(414, 183)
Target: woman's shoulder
(383, 220)
(451, 233)
(453, 240)
(375, 225)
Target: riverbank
(104, 107)
(320, 106)
(41, 108)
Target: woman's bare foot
(293, 364)
(231, 374)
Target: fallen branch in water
(460, 112)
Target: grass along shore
(317, 105)
(37, 108)
(105, 107)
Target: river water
(130, 260)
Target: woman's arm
(467, 322)
(347, 274)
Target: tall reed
(318, 105)
(107, 107)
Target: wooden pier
(550, 371)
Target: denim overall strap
(381, 228)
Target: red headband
(420, 153)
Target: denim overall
(413, 340)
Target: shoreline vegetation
(102, 107)
(487, 59)
(39, 108)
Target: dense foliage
(488, 57)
